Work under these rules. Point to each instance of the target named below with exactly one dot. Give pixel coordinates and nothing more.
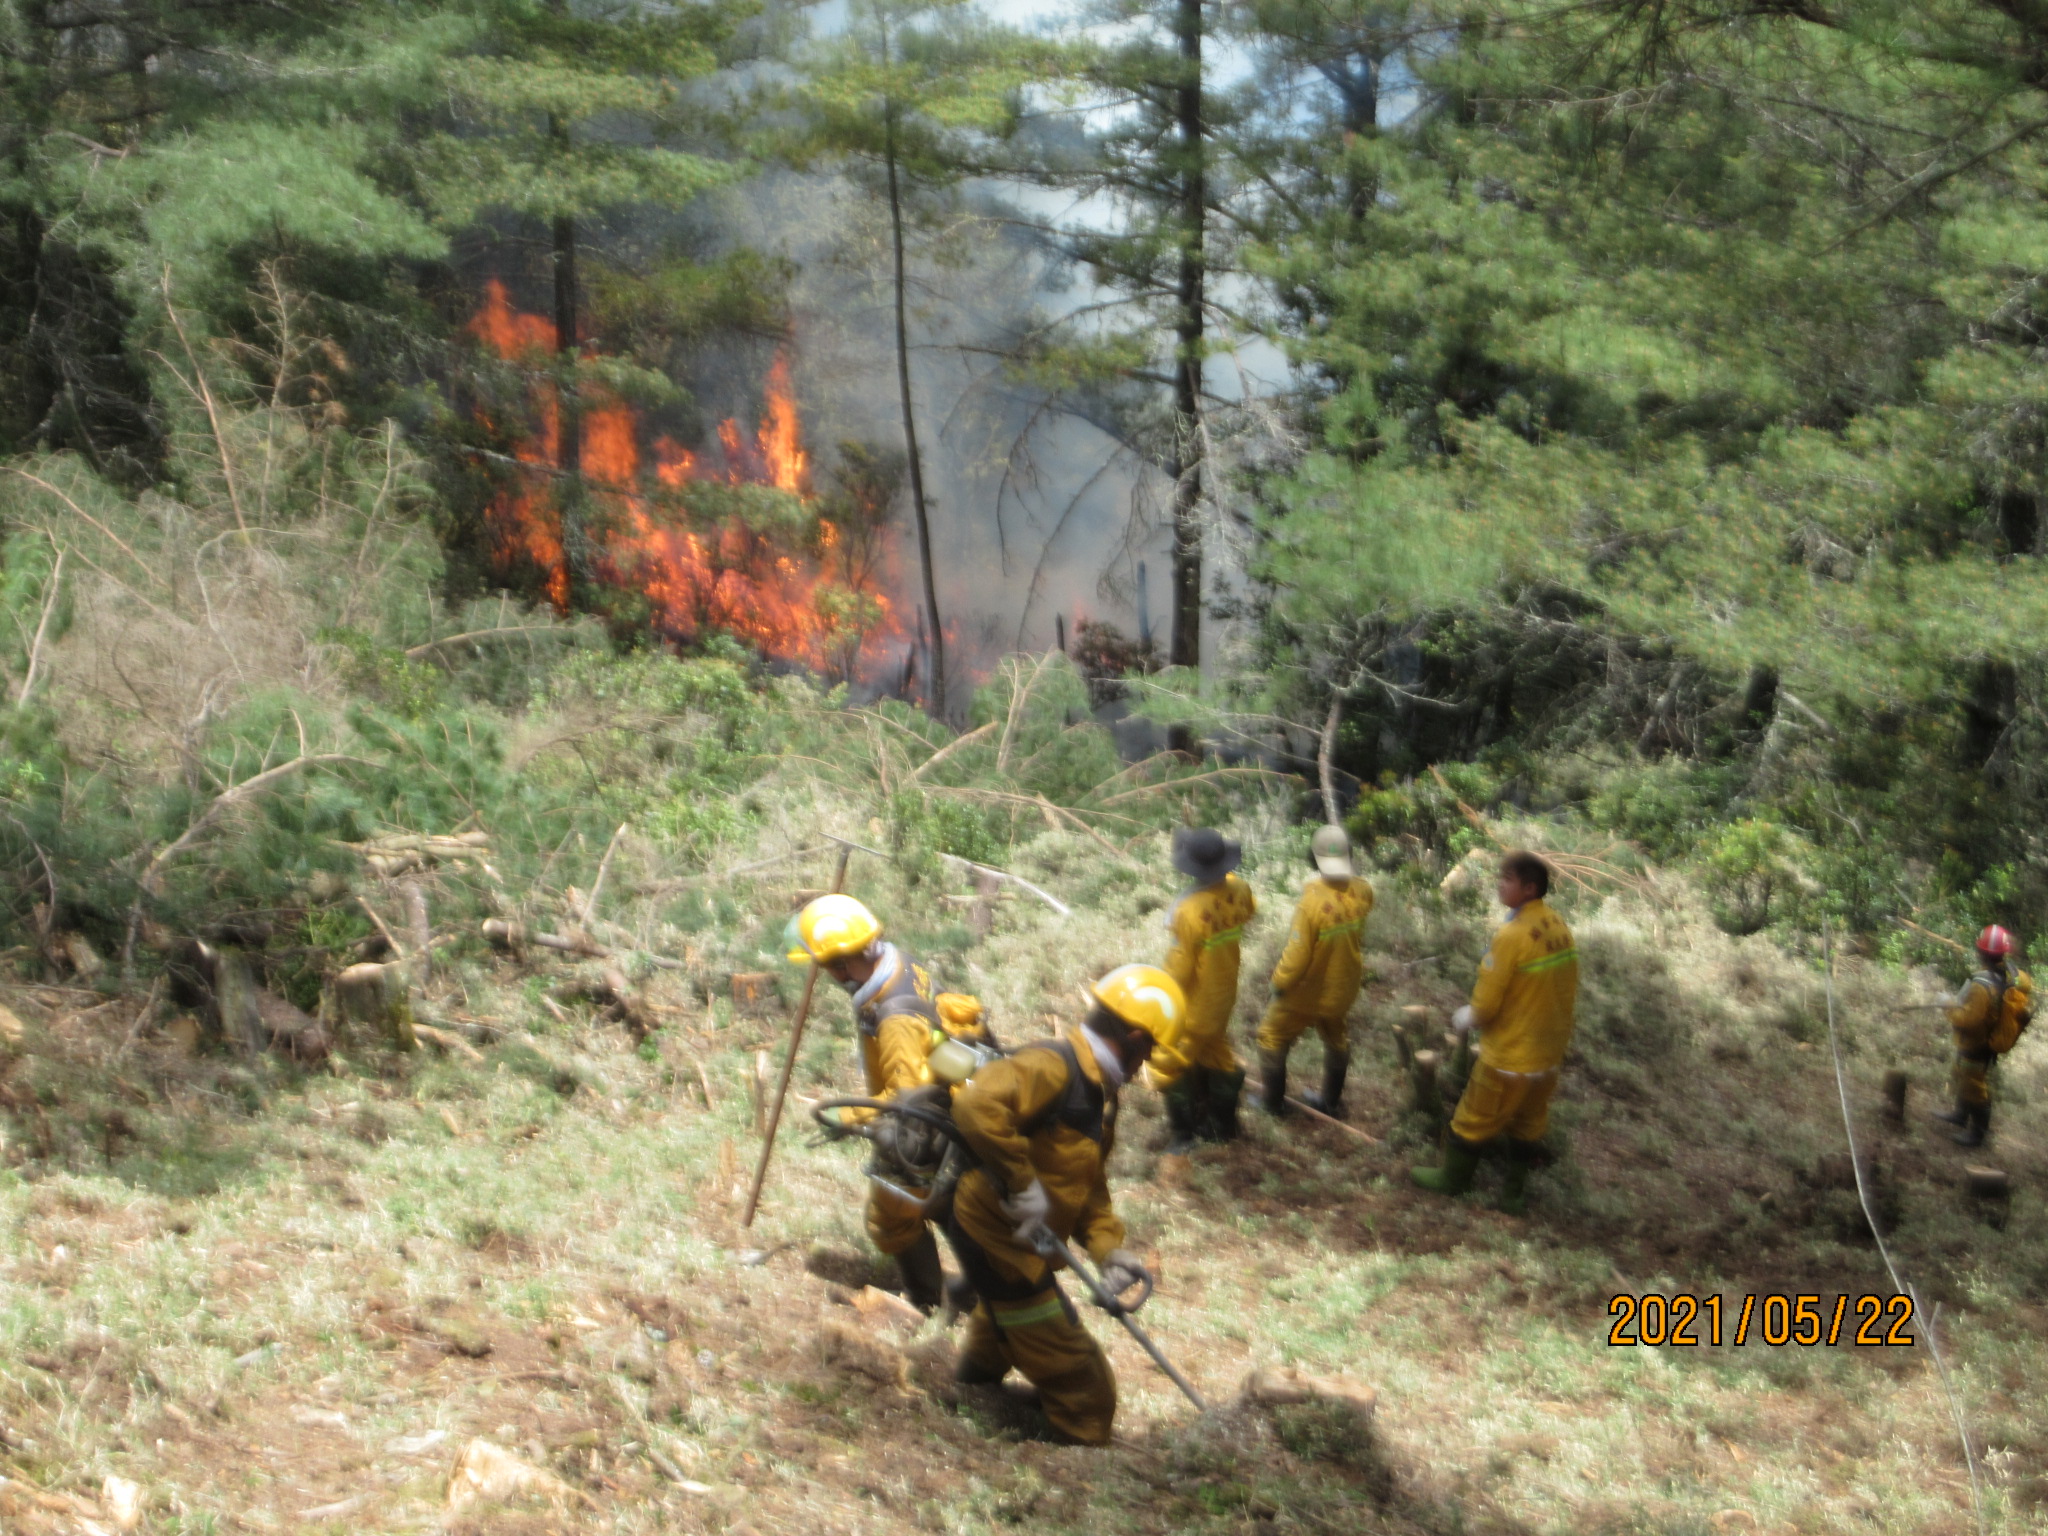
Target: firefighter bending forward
(1041, 1123)
(1522, 1006)
(898, 1020)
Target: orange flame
(727, 576)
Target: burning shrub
(1106, 656)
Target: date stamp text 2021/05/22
(1773, 1318)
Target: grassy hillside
(274, 1287)
(259, 1291)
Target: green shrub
(1752, 876)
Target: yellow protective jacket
(1528, 986)
(1976, 1013)
(1319, 971)
(1026, 1118)
(896, 1031)
(1207, 927)
(1973, 1014)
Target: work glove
(1464, 1021)
(1122, 1270)
(1027, 1209)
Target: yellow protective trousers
(1494, 1103)
(1040, 1338)
(1970, 1077)
(1170, 1064)
(894, 1225)
(1282, 1026)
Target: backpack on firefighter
(2014, 1005)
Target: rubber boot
(1273, 1081)
(1180, 1115)
(1514, 1184)
(1331, 1100)
(1454, 1177)
(1976, 1128)
(1960, 1115)
(924, 1281)
(1225, 1089)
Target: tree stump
(1422, 1074)
(419, 930)
(375, 997)
(1896, 1085)
(1987, 1183)
(1410, 1026)
(237, 1017)
(981, 917)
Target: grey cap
(1331, 850)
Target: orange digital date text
(1682, 1320)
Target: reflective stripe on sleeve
(1549, 962)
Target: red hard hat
(1994, 941)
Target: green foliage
(1751, 871)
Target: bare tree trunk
(1185, 647)
(565, 339)
(916, 460)
(1325, 747)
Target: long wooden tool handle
(796, 1035)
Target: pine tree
(913, 97)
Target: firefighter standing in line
(1318, 976)
(899, 1021)
(1042, 1123)
(1994, 1006)
(1194, 1067)
(1522, 1007)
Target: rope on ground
(1899, 1284)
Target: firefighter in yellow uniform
(1987, 1018)
(1041, 1123)
(898, 1021)
(1522, 1007)
(1318, 976)
(1194, 1067)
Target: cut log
(486, 1474)
(375, 997)
(447, 1040)
(82, 957)
(506, 937)
(1274, 1387)
(1896, 1086)
(292, 1030)
(754, 991)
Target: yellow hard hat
(831, 928)
(1144, 997)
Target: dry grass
(269, 1295)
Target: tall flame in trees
(665, 530)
